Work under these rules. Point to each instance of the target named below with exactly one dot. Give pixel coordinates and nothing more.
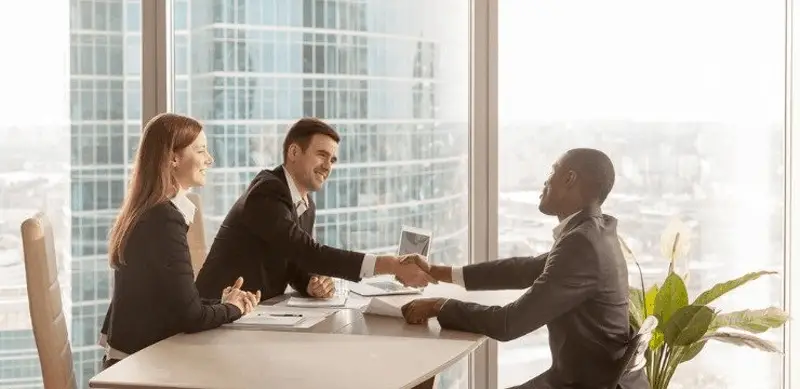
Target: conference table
(348, 349)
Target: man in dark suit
(267, 235)
(579, 289)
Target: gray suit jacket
(579, 290)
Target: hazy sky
(34, 72)
(716, 60)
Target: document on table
(271, 317)
(378, 306)
(334, 302)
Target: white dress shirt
(457, 273)
(301, 205)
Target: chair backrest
(44, 300)
(197, 235)
(634, 357)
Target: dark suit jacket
(261, 240)
(154, 294)
(579, 290)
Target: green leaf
(722, 288)
(650, 300)
(671, 297)
(751, 320)
(688, 325)
(657, 340)
(636, 307)
(743, 339)
(689, 352)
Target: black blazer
(579, 290)
(261, 240)
(154, 294)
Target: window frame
(157, 89)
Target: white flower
(626, 251)
(675, 241)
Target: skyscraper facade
(248, 69)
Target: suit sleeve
(266, 215)
(568, 279)
(299, 280)
(509, 273)
(172, 262)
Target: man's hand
(439, 273)
(417, 259)
(412, 270)
(320, 287)
(420, 310)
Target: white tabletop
(231, 359)
(348, 350)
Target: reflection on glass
(692, 117)
(391, 79)
(75, 98)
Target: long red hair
(152, 181)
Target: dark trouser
(427, 384)
(108, 362)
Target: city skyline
(691, 116)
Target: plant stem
(657, 368)
(664, 367)
(674, 362)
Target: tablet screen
(414, 243)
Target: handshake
(411, 270)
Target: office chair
(634, 357)
(44, 301)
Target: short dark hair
(305, 129)
(595, 172)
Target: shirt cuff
(368, 266)
(458, 276)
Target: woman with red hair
(154, 293)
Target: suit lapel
(281, 174)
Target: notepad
(338, 301)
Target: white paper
(272, 317)
(378, 306)
(338, 301)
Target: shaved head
(595, 172)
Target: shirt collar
(296, 197)
(560, 227)
(185, 206)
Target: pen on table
(286, 314)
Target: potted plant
(684, 327)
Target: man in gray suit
(579, 289)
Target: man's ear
(572, 178)
(294, 149)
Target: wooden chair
(44, 300)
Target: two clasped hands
(245, 301)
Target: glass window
(47, 165)
(693, 119)
(249, 94)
